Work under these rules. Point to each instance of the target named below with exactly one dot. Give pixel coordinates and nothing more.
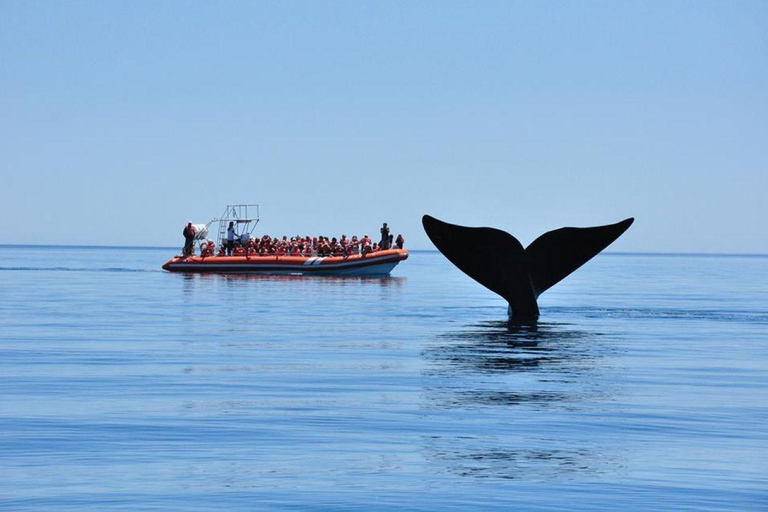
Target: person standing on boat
(385, 243)
(400, 241)
(231, 238)
(189, 239)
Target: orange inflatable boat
(242, 219)
(379, 263)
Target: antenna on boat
(245, 217)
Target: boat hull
(379, 263)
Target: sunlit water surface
(644, 387)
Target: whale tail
(498, 261)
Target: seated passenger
(334, 245)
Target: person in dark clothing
(189, 239)
(384, 244)
(400, 241)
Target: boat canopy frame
(245, 217)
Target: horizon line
(618, 253)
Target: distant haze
(120, 121)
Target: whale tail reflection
(498, 261)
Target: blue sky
(120, 121)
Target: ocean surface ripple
(644, 387)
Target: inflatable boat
(379, 263)
(243, 218)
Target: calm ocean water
(644, 387)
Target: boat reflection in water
(523, 401)
(298, 281)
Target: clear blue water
(645, 387)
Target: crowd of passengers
(308, 246)
(244, 245)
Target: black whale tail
(495, 259)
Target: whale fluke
(497, 260)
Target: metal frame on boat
(242, 215)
